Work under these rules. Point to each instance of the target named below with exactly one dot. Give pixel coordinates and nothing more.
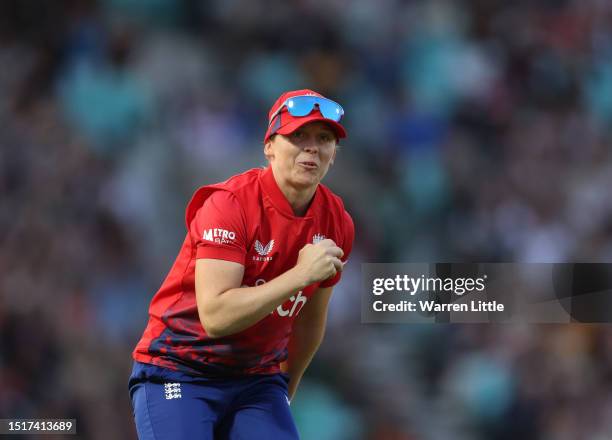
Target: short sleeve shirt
(246, 220)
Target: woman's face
(301, 159)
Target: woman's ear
(268, 149)
(333, 158)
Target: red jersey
(248, 220)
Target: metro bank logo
(218, 235)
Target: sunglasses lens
(304, 105)
(330, 110)
(301, 106)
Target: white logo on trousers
(172, 390)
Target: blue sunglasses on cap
(299, 106)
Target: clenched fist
(318, 262)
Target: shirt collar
(278, 199)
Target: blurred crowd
(478, 131)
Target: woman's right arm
(226, 308)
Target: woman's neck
(299, 198)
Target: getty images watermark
(412, 286)
(450, 292)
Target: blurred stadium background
(479, 130)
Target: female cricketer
(243, 310)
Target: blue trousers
(245, 408)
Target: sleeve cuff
(220, 254)
(331, 281)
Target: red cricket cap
(285, 123)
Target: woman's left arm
(307, 334)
